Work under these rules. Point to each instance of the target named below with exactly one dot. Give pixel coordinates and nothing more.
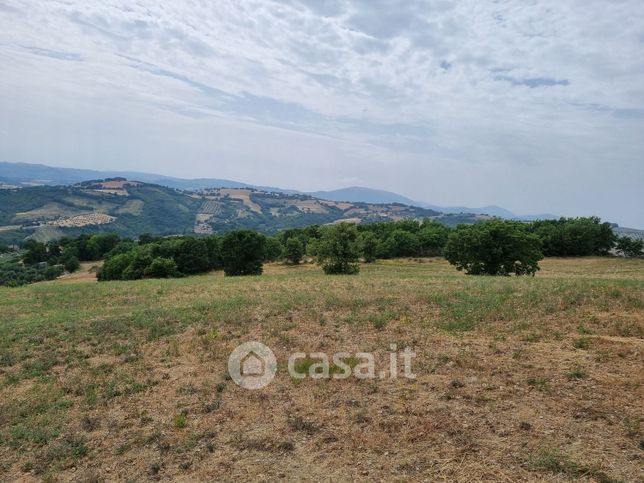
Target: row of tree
(491, 247)
(241, 252)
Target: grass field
(517, 378)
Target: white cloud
(476, 91)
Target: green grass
(71, 347)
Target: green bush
(494, 248)
(293, 250)
(71, 263)
(339, 250)
(161, 268)
(115, 266)
(630, 247)
(574, 237)
(403, 243)
(243, 253)
(273, 250)
(432, 238)
(192, 256)
(369, 247)
(35, 252)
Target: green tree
(161, 268)
(494, 247)
(192, 256)
(273, 250)
(403, 243)
(140, 262)
(339, 249)
(293, 250)
(213, 243)
(53, 251)
(146, 238)
(98, 245)
(114, 267)
(243, 253)
(432, 238)
(369, 247)
(70, 262)
(574, 237)
(630, 247)
(36, 252)
(52, 272)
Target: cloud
(533, 83)
(463, 89)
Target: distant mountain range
(24, 174)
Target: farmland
(517, 378)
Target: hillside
(25, 174)
(130, 208)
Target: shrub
(402, 244)
(494, 248)
(574, 237)
(161, 268)
(273, 250)
(243, 253)
(213, 243)
(36, 252)
(432, 238)
(52, 272)
(192, 256)
(369, 247)
(71, 263)
(115, 266)
(293, 250)
(630, 247)
(98, 245)
(339, 250)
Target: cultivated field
(517, 378)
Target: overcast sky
(534, 105)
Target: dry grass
(517, 378)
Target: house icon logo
(252, 365)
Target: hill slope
(131, 208)
(24, 174)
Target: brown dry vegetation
(517, 378)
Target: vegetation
(14, 273)
(293, 251)
(574, 237)
(159, 210)
(38, 261)
(94, 376)
(339, 249)
(243, 253)
(489, 248)
(494, 248)
(161, 258)
(630, 247)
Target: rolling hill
(131, 208)
(25, 174)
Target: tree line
(494, 247)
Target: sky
(534, 105)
